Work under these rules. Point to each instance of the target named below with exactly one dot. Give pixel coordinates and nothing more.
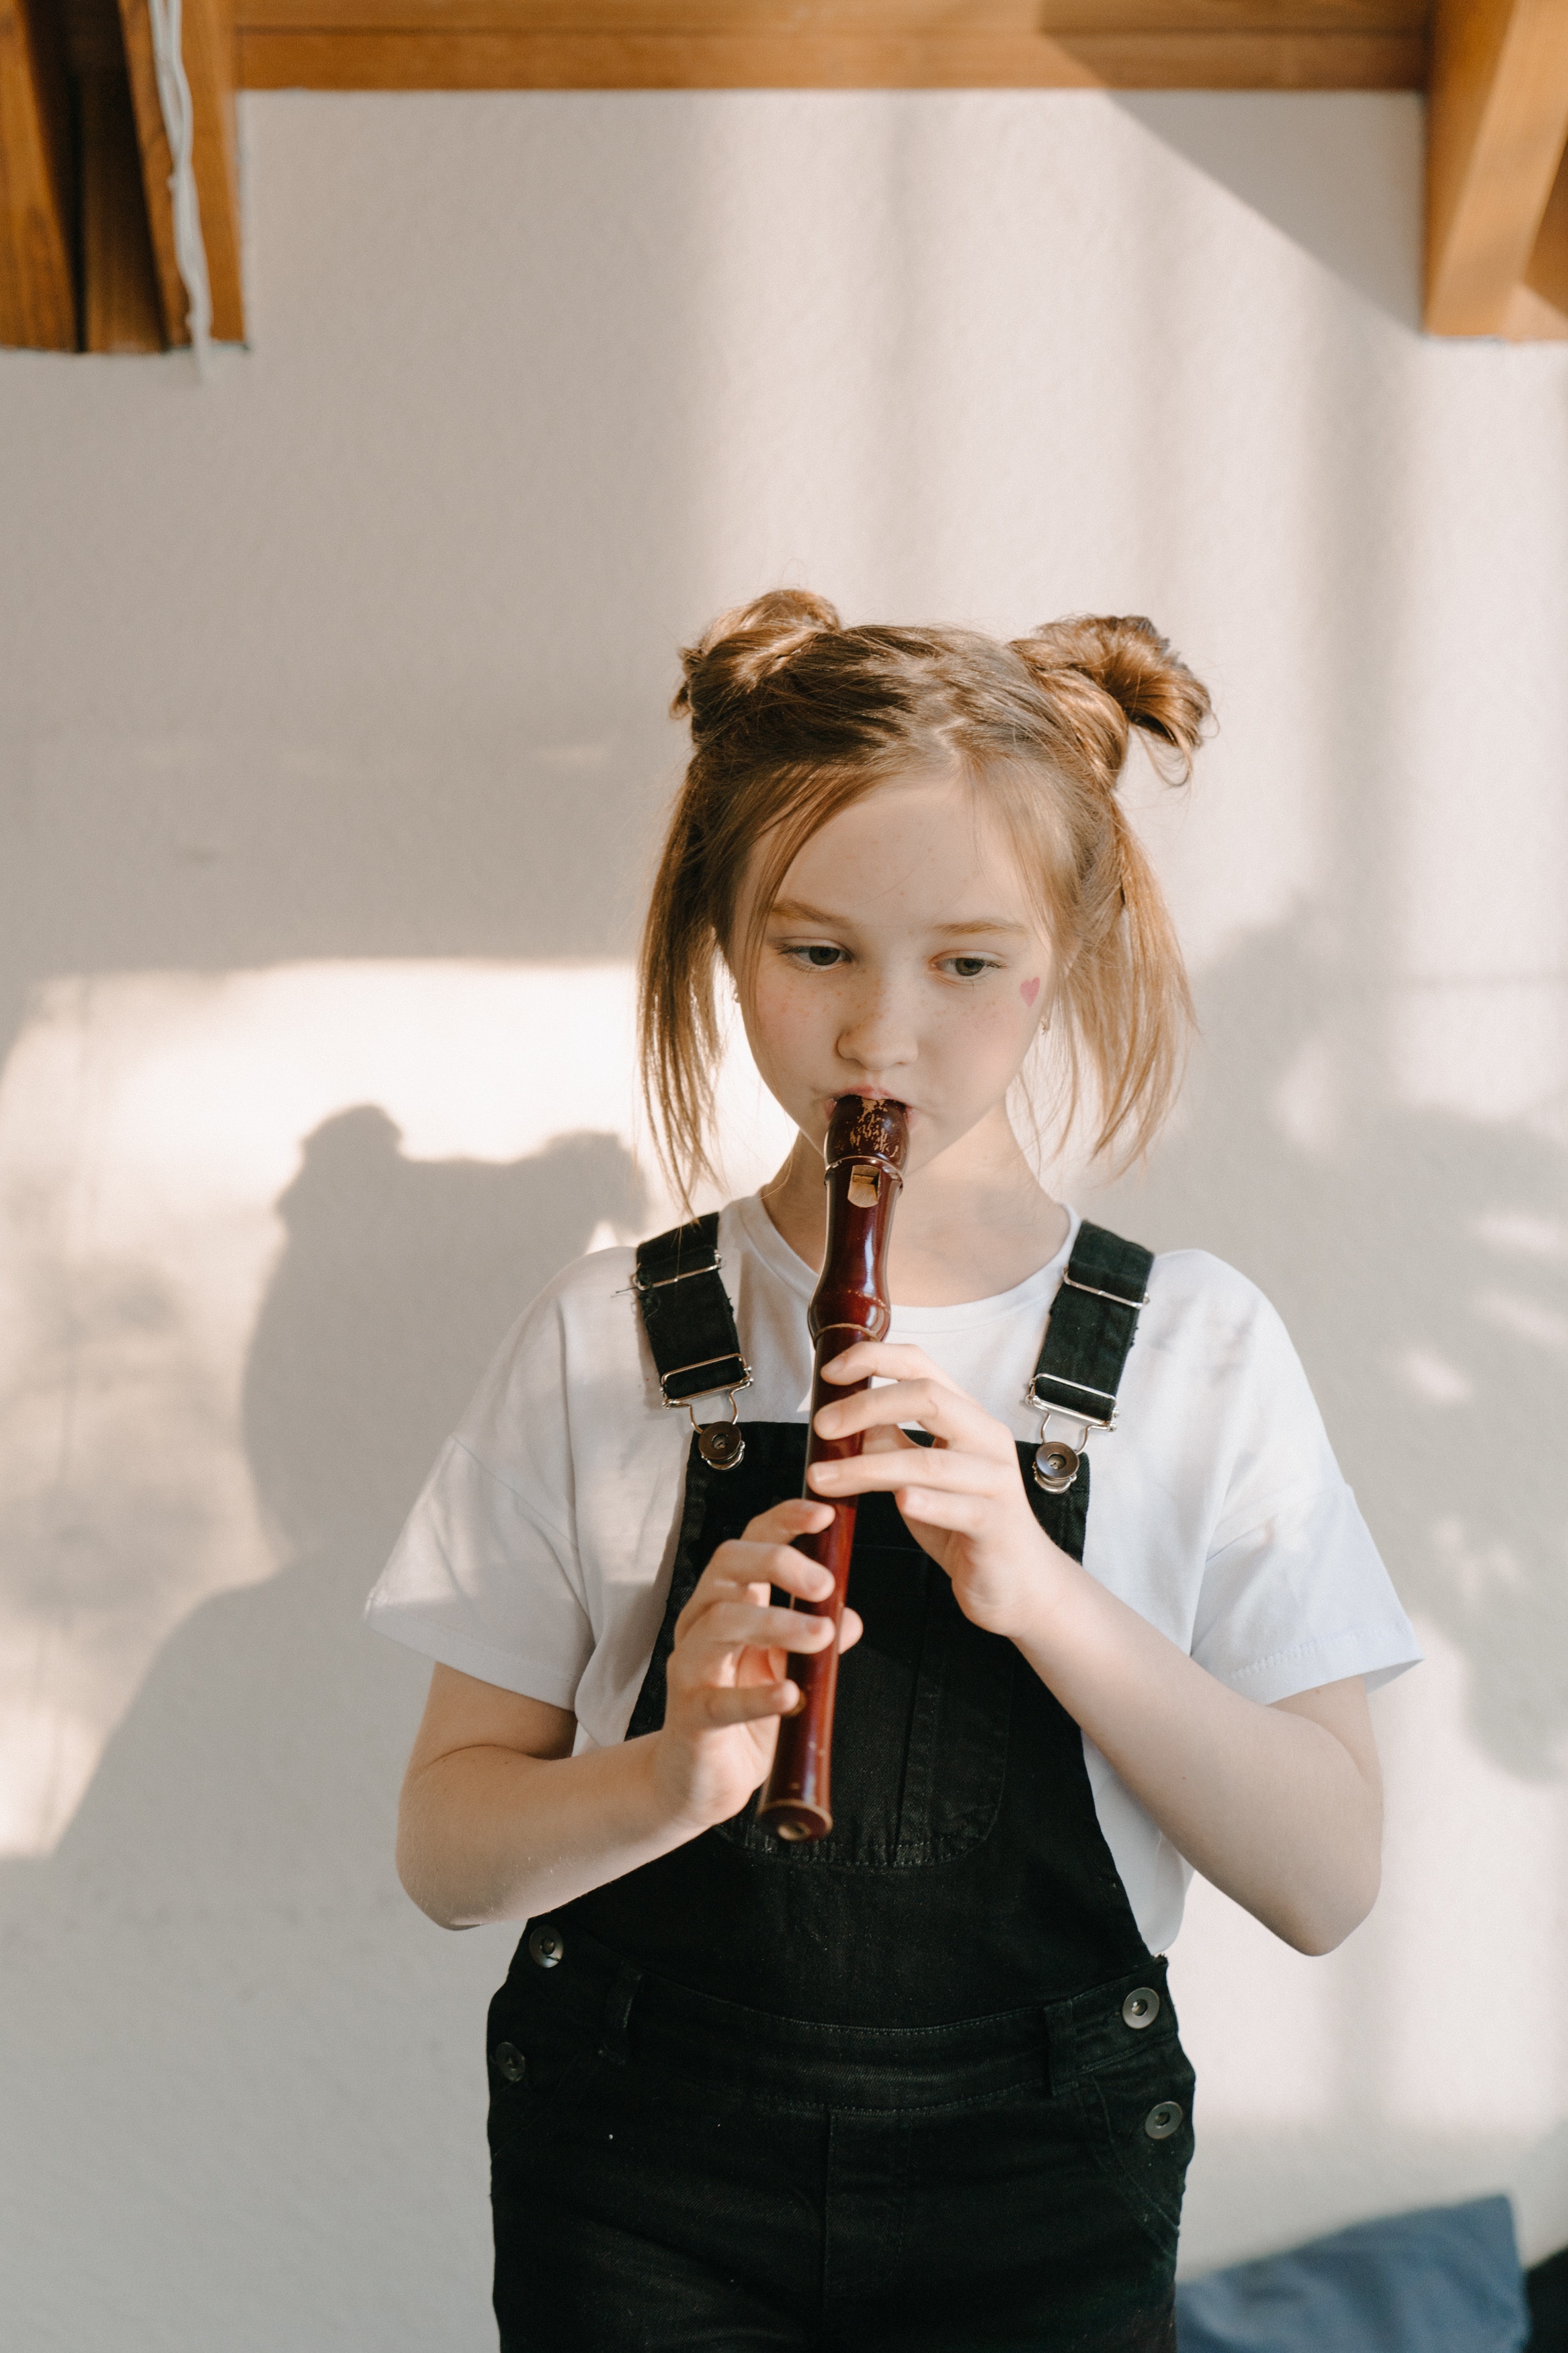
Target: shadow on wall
(1322, 167)
(396, 1282)
(1420, 1262)
(238, 1832)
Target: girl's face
(901, 957)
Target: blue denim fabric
(1446, 2280)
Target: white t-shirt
(539, 1556)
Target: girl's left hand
(962, 1498)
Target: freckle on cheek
(1029, 990)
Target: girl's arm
(499, 1820)
(1281, 1807)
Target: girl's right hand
(727, 1683)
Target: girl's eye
(970, 967)
(819, 957)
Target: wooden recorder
(868, 1140)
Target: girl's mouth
(866, 1094)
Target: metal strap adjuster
(1083, 1407)
(1048, 1406)
(1117, 1297)
(663, 1282)
(692, 1253)
(1055, 1463)
(719, 1443)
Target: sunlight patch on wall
(148, 1124)
(1489, 1049)
(1473, 1873)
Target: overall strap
(1094, 1318)
(690, 1328)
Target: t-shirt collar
(1037, 1289)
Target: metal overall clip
(720, 1443)
(1056, 1460)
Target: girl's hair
(795, 717)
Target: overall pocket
(540, 2066)
(1137, 2116)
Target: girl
(918, 2085)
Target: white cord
(179, 123)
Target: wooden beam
(37, 292)
(1497, 124)
(210, 59)
(1548, 271)
(833, 44)
(1159, 15)
(431, 52)
(120, 286)
(1064, 19)
(1538, 308)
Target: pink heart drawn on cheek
(1029, 990)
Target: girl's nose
(880, 1038)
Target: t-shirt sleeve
(1294, 1592)
(1301, 1597)
(485, 1576)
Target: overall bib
(916, 2084)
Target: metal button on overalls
(546, 1945)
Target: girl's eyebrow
(797, 910)
(997, 924)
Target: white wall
(331, 746)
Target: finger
(749, 1603)
(872, 1474)
(740, 1563)
(946, 1412)
(718, 1704)
(799, 1517)
(888, 1360)
(958, 1515)
(717, 1585)
(851, 1626)
(736, 1626)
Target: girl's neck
(973, 1222)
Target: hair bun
(744, 647)
(1127, 660)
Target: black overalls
(916, 2084)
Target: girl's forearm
(1268, 1804)
(486, 1833)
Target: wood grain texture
(1497, 123)
(549, 59)
(1538, 308)
(119, 285)
(1223, 15)
(1098, 19)
(210, 56)
(37, 288)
